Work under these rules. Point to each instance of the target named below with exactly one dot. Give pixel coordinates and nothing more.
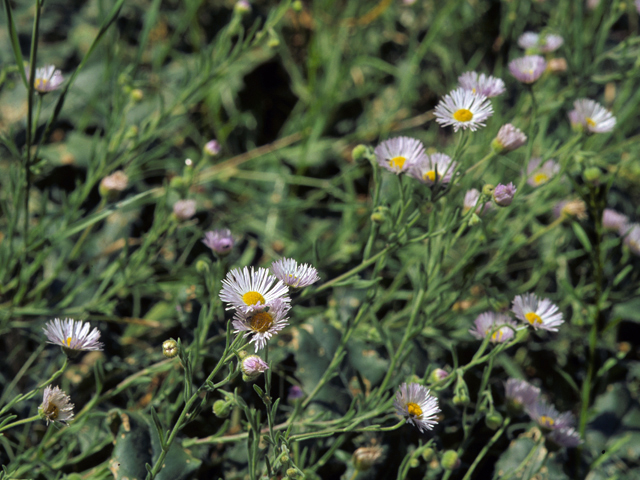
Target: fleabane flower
(547, 417)
(290, 273)
(56, 406)
(48, 78)
(503, 194)
(612, 220)
(593, 116)
(415, 403)
(220, 241)
(571, 209)
(463, 109)
(520, 394)
(211, 148)
(365, 457)
(539, 313)
(397, 154)
(471, 201)
(631, 235)
(509, 138)
(252, 366)
(184, 209)
(73, 336)
(495, 325)
(542, 43)
(482, 84)
(540, 174)
(528, 69)
(565, 437)
(250, 290)
(262, 324)
(432, 169)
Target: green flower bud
(380, 214)
(297, 6)
(450, 460)
(414, 463)
(293, 473)
(284, 459)
(493, 420)
(170, 348)
(592, 175)
(178, 183)
(488, 190)
(474, 220)
(428, 454)
(461, 400)
(221, 408)
(202, 266)
(359, 152)
(136, 95)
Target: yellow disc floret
(533, 318)
(541, 178)
(252, 298)
(397, 162)
(431, 175)
(590, 122)
(68, 342)
(414, 410)
(546, 421)
(463, 115)
(261, 322)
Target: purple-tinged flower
(538, 175)
(220, 241)
(48, 79)
(439, 374)
(463, 109)
(576, 121)
(432, 169)
(252, 367)
(482, 84)
(631, 235)
(547, 417)
(528, 69)
(416, 404)
(471, 199)
(541, 43)
(509, 138)
(184, 209)
(295, 393)
(73, 336)
(56, 406)
(212, 148)
(297, 276)
(503, 194)
(262, 324)
(520, 395)
(539, 313)
(248, 290)
(496, 325)
(565, 437)
(242, 7)
(612, 220)
(593, 116)
(398, 154)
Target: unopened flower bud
(503, 194)
(380, 214)
(461, 400)
(111, 185)
(202, 266)
(488, 190)
(474, 220)
(414, 463)
(220, 241)
(170, 348)
(221, 408)
(211, 148)
(252, 366)
(242, 7)
(295, 394)
(365, 457)
(294, 474)
(450, 460)
(136, 95)
(592, 175)
(428, 454)
(438, 374)
(297, 6)
(493, 420)
(508, 139)
(358, 153)
(284, 459)
(184, 209)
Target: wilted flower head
(73, 336)
(212, 148)
(220, 241)
(539, 313)
(112, 185)
(571, 208)
(508, 139)
(612, 220)
(397, 154)
(252, 366)
(184, 209)
(297, 276)
(632, 237)
(545, 415)
(528, 69)
(538, 175)
(434, 168)
(489, 323)
(503, 194)
(557, 65)
(482, 84)
(249, 290)
(471, 201)
(365, 457)
(48, 78)
(520, 394)
(56, 406)
(542, 43)
(592, 116)
(417, 406)
(463, 109)
(262, 324)
(565, 437)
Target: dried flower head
(262, 324)
(432, 169)
(482, 84)
(220, 241)
(249, 290)
(571, 209)
(503, 194)
(593, 116)
(415, 403)
(509, 138)
(365, 457)
(290, 273)
(112, 185)
(539, 313)
(397, 154)
(499, 326)
(73, 336)
(48, 78)
(528, 69)
(56, 406)
(463, 109)
(540, 174)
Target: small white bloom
(262, 324)
(56, 406)
(538, 175)
(494, 324)
(297, 276)
(631, 233)
(482, 84)
(249, 290)
(612, 220)
(434, 168)
(593, 116)
(520, 394)
(73, 336)
(528, 69)
(397, 154)
(508, 139)
(539, 313)
(565, 437)
(546, 415)
(184, 209)
(416, 404)
(543, 43)
(48, 78)
(463, 109)
(471, 201)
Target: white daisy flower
(489, 323)
(73, 336)
(482, 84)
(417, 406)
(397, 154)
(593, 116)
(262, 324)
(538, 175)
(615, 221)
(631, 233)
(565, 437)
(56, 406)
(434, 168)
(543, 43)
(297, 276)
(539, 313)
(48, 78)
(463, 109)
(520, 394)
(471, 201)
(546, 415)
(528, 69)
(249, 290)
(508, 139)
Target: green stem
(20, 422)
(532, 125)
(85, 233)
(486, 158)
(486, 448)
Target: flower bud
(111, 185)
(221, 408)
(184, 209)
(293, 473)
(358, 153)
(450, 460)
(365, 457)
(211, 148)
(220, 241)
(503, 194)
(493, 420)
(170, 348)
(202, 266)
(461, 400)
(252, 366)
(284, 459)
(557, 65)
(297, 6)
(438, 374)
(488, 190)
(508, 139)
(242, 7)
(414, 463)
(380, 214)
(474, 220)
(136, 95)
(592, 175)
(295, 394)
(428, 454)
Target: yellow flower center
(261, 322)
(397, 162)
(68, 342)
(414, 410)
(541, 178)
(497, 336)
(533, 318)
(251, 298)
(590, 122)
(473, 90)
(463, 115)
(431, 175)
(546, 421)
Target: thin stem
(85, 233)
(20, 422)
(532, 125)
(486, 448)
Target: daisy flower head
(565, 437)
(463, 109)
(297, 276)
(539, 313)
(547, 417)
(593, 116)
(631, 234)
(249, 290)
(538, 175)
(615, 221)
(482, 84)
(220, 241)
(56, 406)
(528, 69)
(494, 324)
(262, 324)
(252, 366)
(509, 138)
(416, 404)
(520, 394)
(542, 43)
(397, 154)
(503, 194)
(73, 336)
(471, 201)
(48, 79)
(576, 121)
(434, 168)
